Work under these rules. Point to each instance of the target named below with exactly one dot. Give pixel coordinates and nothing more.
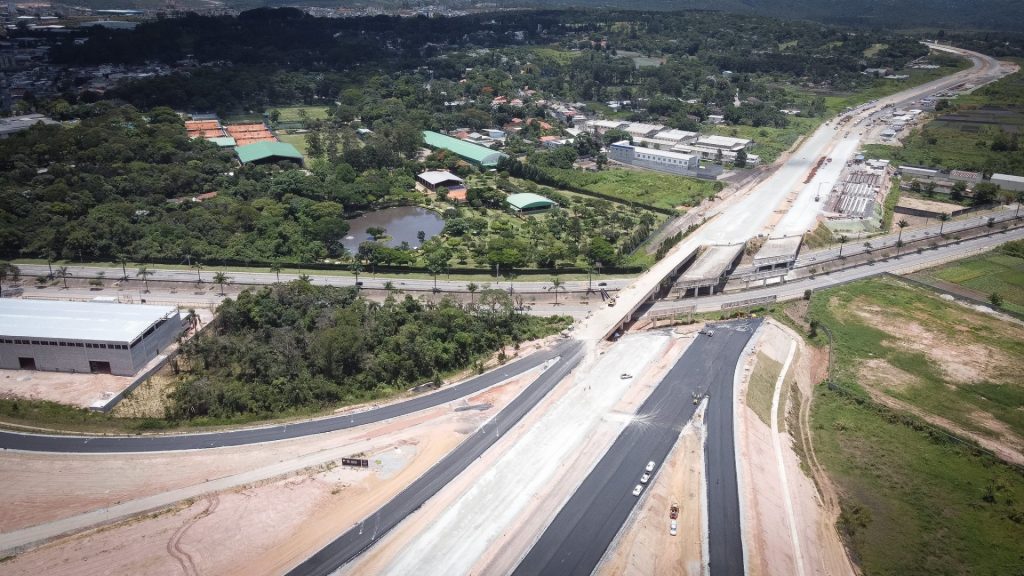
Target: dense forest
(299, 346)
(268, 57)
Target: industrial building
(85, 337)
(479, 155)
(1009, 182)
(661, 160)
(15, 124)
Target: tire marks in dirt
(174, 548)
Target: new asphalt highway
(169, 442)
(357, 539)
(577, 538)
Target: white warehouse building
(88, 337)
(661, 160)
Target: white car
(650, 466)
(639, 488)
(673, 528)
(625, 376)
(645, 478)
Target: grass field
(297, 140)
(914, 502)
(762, 386)
(938, 355)
(820, 237)
(995, 272)
(652, 188)
(291, 113)
(771, 142)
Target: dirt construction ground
(788, 515)
(260, 526)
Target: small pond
(402, 223)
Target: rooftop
(528, 200)
(468, 150)
(1008, 178)
(101, 322)
(19, 123)
(722, 141)
(263, 150)
(665, 153)
(437, 176)
(674, 135)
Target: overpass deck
(778, 251)
(711, 266)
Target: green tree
(899, 239)
(943, 218)
(472, 288)
(220, 278)
(843, 238)
(276, 269)
(556, 286)
(996, 299)
(63, 273)
(8, 270)
(741, 159)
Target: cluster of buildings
(945, 180)
(654, 138)
(254, 143)
(468, 151)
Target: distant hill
(948, 14)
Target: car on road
(645, 478)
(650, 466)
(625, 376)
(674, 512)
(673, 528)
(639, 488)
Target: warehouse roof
(438, 176)
(101, 322)
(529, 201)
(1008, 178)
(472, 152)
(264, 150)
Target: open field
(762, 385)
(769, 142)
(915, 502)
(883, 87)
(293, 113)
(653, 188)
(996, 272)
(297, 140)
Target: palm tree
(556, 286)
(124, 266)
(842, 240)
(197, 266)
(434, 269)
(943, 218)
(276, 269)
(222, 279)
(144, 273)
(899, 239)
(472, 287)
(63, 274)
(357, 267)
(1020, 200)
(390, 287)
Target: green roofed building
(466, 150)
(223, 141)
(268, 153)
(529, 202)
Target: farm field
(297, 140)
(914, 502)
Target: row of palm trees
(943, 218)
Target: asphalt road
(363, 535)
(170, 442)
(577, 538)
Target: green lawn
(297, 140)
(913, 501)
(652, 188)
(291, 113)
(993, 272)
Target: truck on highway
(674, 511)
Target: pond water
(402, 223)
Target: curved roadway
(169, 442)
